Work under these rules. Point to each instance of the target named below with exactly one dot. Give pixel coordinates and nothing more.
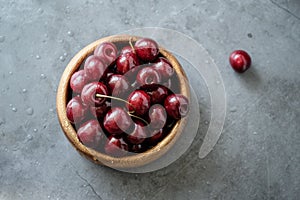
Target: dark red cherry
(117, 121)
(138, 135)
(116, 147)
(100, 111)
(177, 106)
(158, 93)
(94, 68)
(147, 76)
(127, 49)
(78, 81)
(91, 134)
(240, 61)
(118, 84)
(163, 66)
(157, 116)
(107, 52)
(89, 91)
(146, 49)
(76, 110)
(125, 62)
(155, 136)
(139, 102)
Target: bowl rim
(130, 161)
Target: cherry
(89, 91)
(118, 84)
(125, 62)
(146, 49)
(100, 111)
(127, 49)
(117, 121)
(107, 52)
(116, 147)
(138, 135)
(76, 110)
(158, 116)
(240, 61)
(147, 76)
(158, 93)
(163, 66)
(156, 136)
(94, 68)
(78, 81)
(139, 102)
(176, 105)
(90, 134)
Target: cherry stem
(129, 113)
(111, 97)
(130, 43)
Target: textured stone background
(257, 156)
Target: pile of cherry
(125, 100)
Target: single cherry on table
(240, 60)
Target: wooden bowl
(131, 161)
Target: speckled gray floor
(257, 156)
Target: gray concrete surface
(257, 156)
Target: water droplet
(46, 35)
(10, 105)
(62, 58)
(2, 38)
(14, 109)
(29, 137)
(6, 149)
(48, 197)
(70, 33)
(29, 111)
(206, 61)
(40, 10)
(35, 130)
(10, 73)
(255, 133)
(51, 110)
(249, 35)
(38, 57)
(43, 76)
(205, 122)
(65, 54)
(126, 21)
(218, 82)
(233, 109)
(207, 183)
(24, 90)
